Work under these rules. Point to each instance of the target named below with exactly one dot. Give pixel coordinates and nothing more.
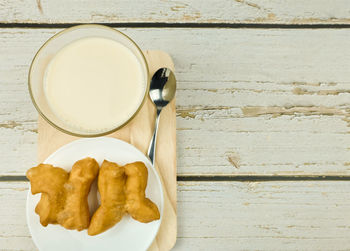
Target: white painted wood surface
(193, 11)
(249, 101)
(229, 216)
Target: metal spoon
(162, 91)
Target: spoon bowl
(162, 87)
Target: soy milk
(94, 84)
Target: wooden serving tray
(138, 132)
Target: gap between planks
(227, 178)
(182, 25)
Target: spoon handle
(152, 146)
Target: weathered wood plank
(215, 11)
(263, 216)
(229, 215)
(263, 102)
(14, 233)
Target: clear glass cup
(49, 50)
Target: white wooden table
(263, 114)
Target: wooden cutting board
(138, 132)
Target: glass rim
(94, 134)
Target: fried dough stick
(137, 205)
(49, 181)
(111, 181)
(76, 214)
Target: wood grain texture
(260, 102)
(138, 132)
(229, 216)
(175, 11)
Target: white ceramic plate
(128, 234)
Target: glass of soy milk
(88, 80)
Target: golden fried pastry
(76, 214)
(64, 198)
(137, 205)
(111, 181)
(49, 181)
